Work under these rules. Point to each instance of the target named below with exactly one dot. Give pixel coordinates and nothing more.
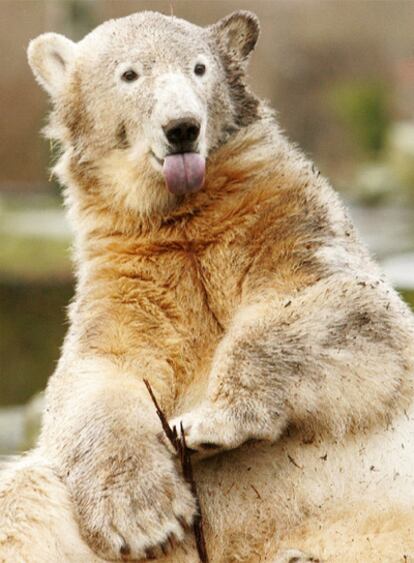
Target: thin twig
(256, 491)
(171, 435)
(183, 453)
(290, 458)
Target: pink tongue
(184, 173)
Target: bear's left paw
(209, 430)
(214, 426)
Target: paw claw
(125, 549)
(149, 554)
(183, 523)
(163, 549)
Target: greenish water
(33, 324)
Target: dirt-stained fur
(250, 305)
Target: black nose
(182, 133)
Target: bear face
(130, 102)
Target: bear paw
(135, 507)
(209, 430)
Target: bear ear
(238, 33)
(50, 56)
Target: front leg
(100, 432)
(337, 355)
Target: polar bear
(215, 261)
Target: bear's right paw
(133, 506)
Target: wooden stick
(183, 453)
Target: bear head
(141, 102)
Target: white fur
(174, 98)
(51, 56)
(251, 306)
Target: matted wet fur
(251, 306)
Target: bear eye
(129, 75)
(200, 69)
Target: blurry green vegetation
(408, 296)
(400, 155)
(389, 178)
(80, 17)
(383, 148)
(34, 239)
(35, 287)
(32, 320)
(364, 108)
(26, 257)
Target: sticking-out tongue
(184, 173)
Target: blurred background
(341, 76)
